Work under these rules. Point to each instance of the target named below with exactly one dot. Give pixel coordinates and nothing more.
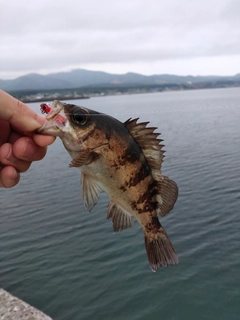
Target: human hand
(19, 145)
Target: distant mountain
(83, 78)
(33, 81)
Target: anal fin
(90, 192)
(121, 219)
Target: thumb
(18, 114)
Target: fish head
(76, 126)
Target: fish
(124, 160)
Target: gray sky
(144, 36)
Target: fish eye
(79, 118)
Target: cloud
(57, 35)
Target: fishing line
(176, 110)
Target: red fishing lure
(45, 108)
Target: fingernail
(10, 157)
(40, 119)
(29, 149)
(15, 175)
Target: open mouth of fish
(57, 113)
(56, 118)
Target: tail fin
(160, 250)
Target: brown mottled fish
(124, 160)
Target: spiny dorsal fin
(151, 146)
(120, 218)
(90, 192)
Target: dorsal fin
(150, 144)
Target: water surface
(69, 263)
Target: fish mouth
(55, 113)
(56, 120)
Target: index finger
(18, 114)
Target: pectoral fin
(120, 218)
(84, 158)
(90, 192)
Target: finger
(7, 134)
(26, 149)
(4, 131)
(14, 136)
(18, 114)
(42, 140)
(9, 177)
(8, 158)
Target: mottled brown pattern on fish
(147, 206)
(152, 226)
(96, 138)
(137, 173)
(126, 157)
(146, 201)
(143, 172)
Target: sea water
(67, 262)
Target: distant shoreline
(52, 98)
(42, 96)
